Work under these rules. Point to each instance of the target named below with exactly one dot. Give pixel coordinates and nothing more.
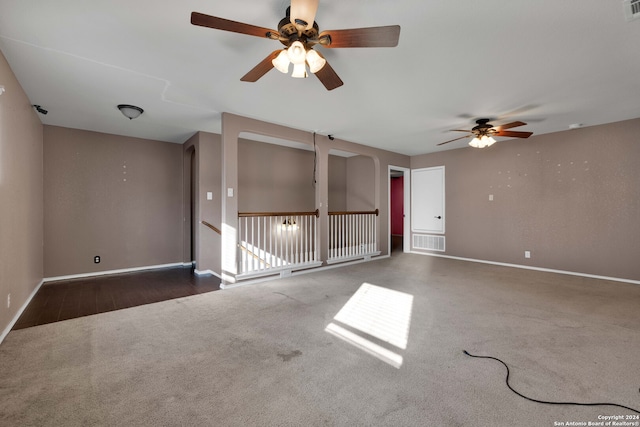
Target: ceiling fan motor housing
(483, 128)
(289, 32)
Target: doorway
(190, 207)
(399, 218)
(193, 207)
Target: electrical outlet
(96, 259)
(8, 300)
(527, 254)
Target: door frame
(406, 226)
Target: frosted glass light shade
(315, 61)
(482, 142)
(281, 62)
(475, 143)
(130, 111)
(299, 71)
(297, 52)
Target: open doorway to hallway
(399, 210)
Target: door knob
(439, 217)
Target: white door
(427, 200)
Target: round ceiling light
(130, 111)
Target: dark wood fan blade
(510, 125)
(328, 77)
(208, 21)
(363, 37)
(451, 140)
(262, 68)
(513, 134)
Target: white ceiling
(549, 63)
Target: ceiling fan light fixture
(299, 32)
(281, 62)
(299, 71)
(297, 53)
(315, 61)
(130, 111)
(482, 142)
(303, 12)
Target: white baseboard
(231, 285)
(19, 313)
(206, 273)
(528, 267)
(119, 271)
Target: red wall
(397, 205)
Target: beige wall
(207, 178)
(113, 196)
(337, 183)
(273, 178)
(361, 180)
(21, 220)
(572, 198)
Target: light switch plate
(209, 195)
(229, 192)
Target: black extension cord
(544, 401)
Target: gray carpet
(259, 355)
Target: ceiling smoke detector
(631, 9)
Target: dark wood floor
(69, 299)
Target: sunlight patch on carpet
(387, 356)
(377, 312)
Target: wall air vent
(631, 9)
(428, 242)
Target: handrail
(213, 227)
(315, 213)
(376, 213)
(254, 255)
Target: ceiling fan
(299, 33)
(484, 132)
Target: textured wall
(572, 198)
(337, 183)
(207, 177)
(113, 196)
(21, 223)
(361, 180)
(272, 178)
